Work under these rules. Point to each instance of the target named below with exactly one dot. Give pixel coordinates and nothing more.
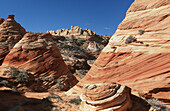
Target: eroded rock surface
(105, 97)
(141, 64)
(10, 33)
(39, 55)
(1, 20)
(11, 101)
(110, 97)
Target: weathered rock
(93, 46)
(39, 55)
(105, 96)
(75, 32)
(10, 33)
(1, 20)
(17, 80)
(11, 101)
(142, 65)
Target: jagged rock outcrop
(105, 96)
(10, 33)
(75, 32)
(138, 54)
(39, 55)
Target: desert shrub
(13, 72)
(53, 96)
(116, 62)
(72, 37)
(157, 105)
(80, 42)
(66, 46)
(4, 83)
(60, 85)
(14, 88)
(22, 77)
(75, 101)
(141, 31)
(130, 39)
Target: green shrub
(75, 101)
(22, 77)
(157, 105)
(4, 83)
(80, 42)
(66, 46)
(130, 39)
(141, 31)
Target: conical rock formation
(39, 55)
(10, 33)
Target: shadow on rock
(11, 101)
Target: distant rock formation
(75, 32)
(93, 46)
(138, 54)
(39, 55)
(10, 33)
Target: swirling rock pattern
(39, 55)
(106, 97)
(142, 65)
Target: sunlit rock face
(108, 97)
(75, 32)
(10, 33)
(39, 55)
(138, 54)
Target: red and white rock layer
(39, 55)
(10, 33)
(143, 65)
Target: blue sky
(101, 16)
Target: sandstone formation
(10, 33)
(11, 101)
(75, 32)
(93, 46)
(105, 97)
(1, 20)
(11, 77)
(141, 64)
(39, 55)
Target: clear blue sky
(101, 16)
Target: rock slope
(138, 54)
(39, 55)
(10, 33)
